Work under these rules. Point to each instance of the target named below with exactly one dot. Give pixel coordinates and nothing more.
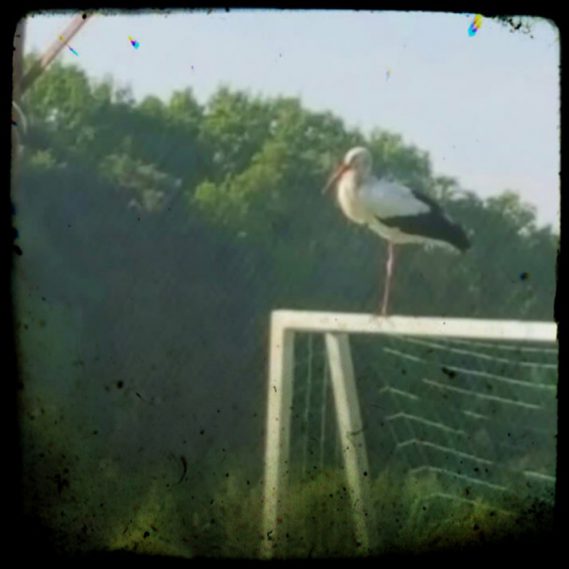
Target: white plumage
(377, 198)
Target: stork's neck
(350, 190)
(353, 181)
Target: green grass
(108, 510)
(92, 501)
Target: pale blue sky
(486, 107)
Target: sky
(485, 107)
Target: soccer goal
(463, 399)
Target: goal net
(382, 430)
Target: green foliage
(233, 127)
(250, 201)
(42, 160)
(183, 110)
(517, 215)
(405, 163)
(143, 181)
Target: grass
(109, 508)
(91, 500)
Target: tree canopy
(221, 202)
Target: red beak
(335, 177)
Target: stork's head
(358, 160)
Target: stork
(393, 211)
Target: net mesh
(459, 424)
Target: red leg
(388, 276)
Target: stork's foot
(382, 310)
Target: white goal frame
(336, 327)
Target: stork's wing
(387, 198)
(414, 213)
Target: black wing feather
(432, 224)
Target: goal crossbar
(336, 328)
(357, 323)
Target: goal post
(336, 328)
(468, 328)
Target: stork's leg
(388, 275)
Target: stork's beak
(335, 177)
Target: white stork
(395, 212)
